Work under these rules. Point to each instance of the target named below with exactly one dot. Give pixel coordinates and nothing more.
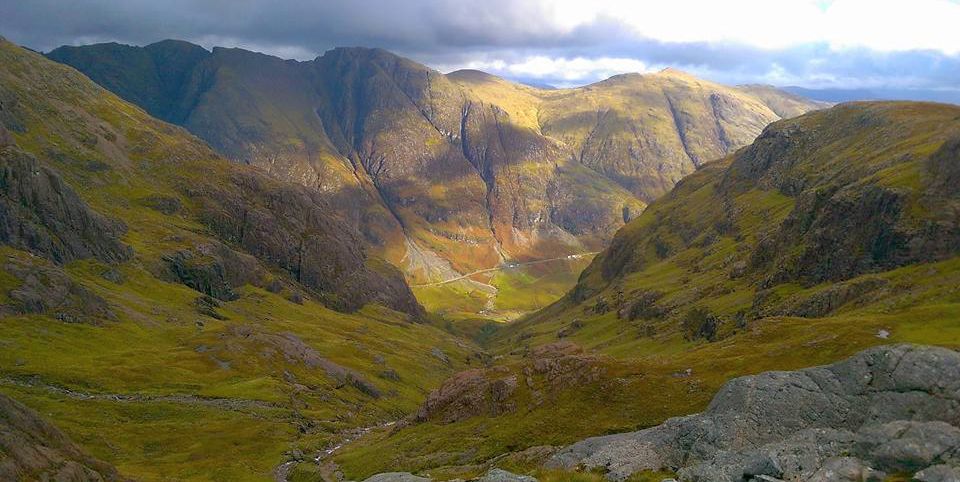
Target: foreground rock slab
(494, 475)
(396, 477)
(887, 410)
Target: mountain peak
(674, 71)
(359, 52)
(473, 75)
(175, 44)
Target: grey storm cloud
(452, 33)
(424, 26)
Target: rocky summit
(888, 410)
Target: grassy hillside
(832, 232)
(179, 315)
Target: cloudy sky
(837, 44)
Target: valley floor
(505, 292)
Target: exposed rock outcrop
(40, 213)
(293, 229)
(214, 270)
(547, 371)
(889, 409)
(33, 449)
(468, 394)
(500, 475)
(44, 288)
(494, 475)
(396, 477)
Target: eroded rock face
(214, 270)
(293, 229)
(468, 394)
(33, 449)
(40, 213)
(889, 409)
(44, 288)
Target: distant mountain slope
(833, 231)
(645, 132)
(784, 103)
(155, 296)
(446, 174)
(879, 93)
(859, 188)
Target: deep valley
(217, 264)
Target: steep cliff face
(444, 173)
(40, 213)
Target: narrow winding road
(505, 266)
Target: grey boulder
(893, 408)
(396, 477)
(938, 473)
(499, 475)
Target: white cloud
(565, 70)
(834, 43)
(881, 25)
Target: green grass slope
(834, 231)
(177, 315)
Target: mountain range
(847, 95)
(444, 174)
